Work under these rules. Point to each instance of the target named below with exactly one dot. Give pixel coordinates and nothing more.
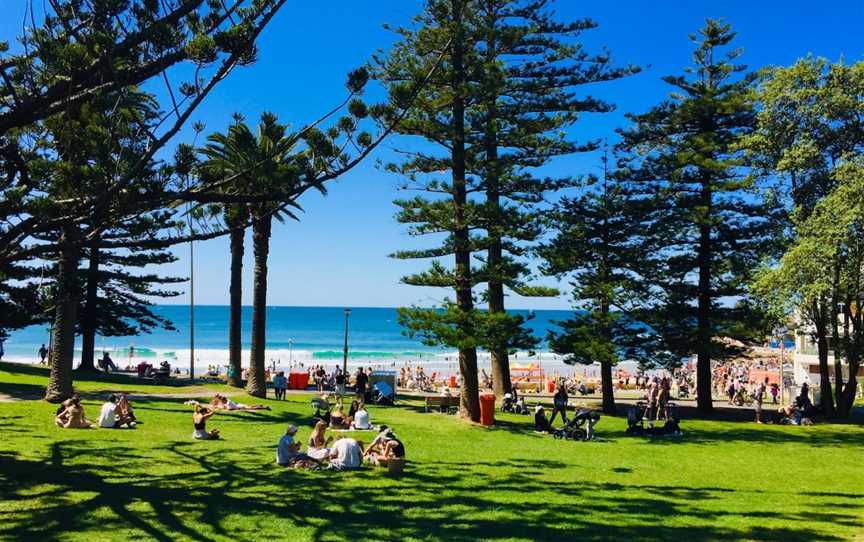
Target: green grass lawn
(721, 481)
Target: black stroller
(322, 410)
(639, 413)
(636, 418)
(580, 426)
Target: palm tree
(258, 164)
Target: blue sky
(337, 254)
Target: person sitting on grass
(288, 451)
(220, 402)
(384, 447)
(199, 422)
(111, 418)
(338, 419)
(541, 424)
(347, 453)
(361, 419)
(355, 406)
(124, 408)
(521, 407)
(317, 446)
(71, 414)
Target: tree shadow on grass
(22, 392)
(209, 491)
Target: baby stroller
(580, 427)
(508, 404)
(322, 410)
(636, 418)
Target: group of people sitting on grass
(342, 453)
(357, 417)
(115, 413)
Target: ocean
(295, 335)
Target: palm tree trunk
(236, 318)
(66, 306)
(89, 316)
(257, 385)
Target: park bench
(442, 403)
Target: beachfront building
(806, 359)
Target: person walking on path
(43, 353)
(662, 398)
(775, 391)
(757, 399)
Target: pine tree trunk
(500, 355)
(66, 306)
(236, 317)
(704, 401)
(257, 384)
(826, 398)
(90, 313)
(469, 396)
(607, 387)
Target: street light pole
(345, 351)
(290, 352)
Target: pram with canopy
(580, 426)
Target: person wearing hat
(288, 451)
(541, 424)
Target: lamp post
(345, 351)
(290, 352)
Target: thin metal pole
(191, 299)
(192, 310)
(345, 351)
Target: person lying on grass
(110, 417)
(220, 402)
(347, 453)
(199, 423)
(71, 414)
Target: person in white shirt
(347, 453)
(361, 419)
(109, 416)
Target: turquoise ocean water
(294, 334)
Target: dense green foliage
(809, 134)
(710, 223)
(600, 244)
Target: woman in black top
(559, 403)
(199, 422)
